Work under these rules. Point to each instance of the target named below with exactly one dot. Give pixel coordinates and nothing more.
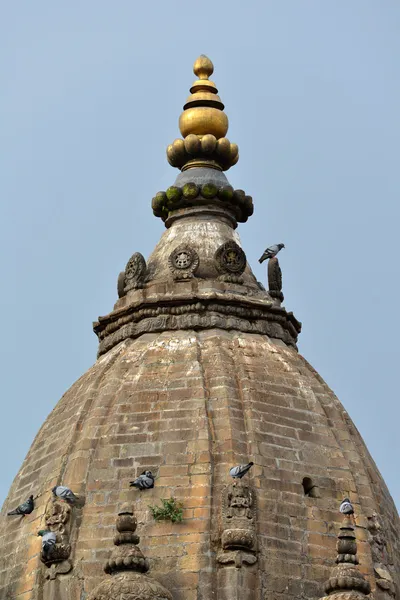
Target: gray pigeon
(346, 507)
(145, 481)
(271, 252)
(24, 509)
(240, 470)
(49, 539)
(63, 492)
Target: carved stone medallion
(135, 272)
(231, 262)
(183, 262)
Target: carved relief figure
(238, 537)
(58, 521)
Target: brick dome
(198, 370)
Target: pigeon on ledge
(145, 481)
(240, 470)
(271, 252)
(346, 507)
(63, 492)
(49, 539)
(24, 509)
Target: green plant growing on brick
(171, 510)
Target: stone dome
(198, 370)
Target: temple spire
(128, 566)
(203, 125)
(346, 581)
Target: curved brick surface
(188, 405)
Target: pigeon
(145, 481)
(271, 252)
(49, 539)
(240, 470)
(63, 492)
(24, 509)
(346, 507)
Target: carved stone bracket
(135, 273)
(58, 520)
(238, 538)
(238, 557)
(231, 262)
(61, 568)
(183, 262)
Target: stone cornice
(201, 310)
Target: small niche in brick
(310, 489)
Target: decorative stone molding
(231, 262)
(346, 581)
(183, 262)
(128, 566)
(238, 539)
(58, 520)
(191, 194)
(135, 273)
(225, 311)
(201, 313)
(275, 279)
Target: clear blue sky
(91, 94)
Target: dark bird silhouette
(240, 470)
(24, 509)
(145, 481)
(271, 252)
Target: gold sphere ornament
(203, 67)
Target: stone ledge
(196, 311)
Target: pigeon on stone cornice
(64, 493)
(145, 481)
(240, 470)
(346, 507)
(271, 252)
(23, 509)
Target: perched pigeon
(145, 481)
(63, 492)
(240, 470)
(24, 509)
(271, 252)
(346, 507)
(49, 539)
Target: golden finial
(203, 67)
(203, 125)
